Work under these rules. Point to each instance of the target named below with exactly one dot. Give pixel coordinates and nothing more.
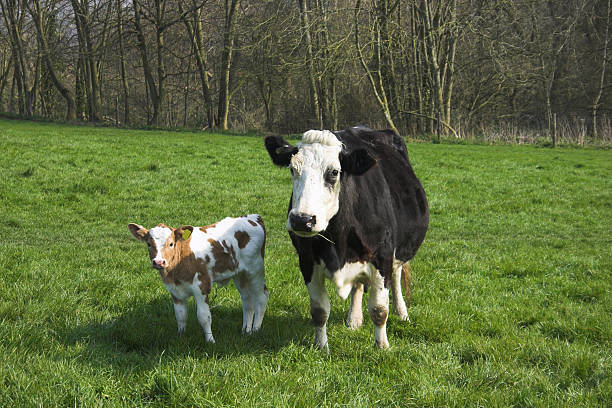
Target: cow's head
(318, 164)
(165, 243)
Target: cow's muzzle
(301, 222)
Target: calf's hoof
(354, 324)
(323, 347)
(382, 345)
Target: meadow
(512, 288)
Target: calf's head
(165, 243)
(317, 164)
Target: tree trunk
(194, 29)
(314, 97)
(35, 10)
(124, 82)
(229, 37)
(604, 61)
(377, 84)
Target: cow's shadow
(148, 331)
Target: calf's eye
(334, 173)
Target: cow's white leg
(260, 295)
(378, 307)
(399, 305)
(355, 313)
(204, 316)
(180, 312)
(243, 285)
(319, 308)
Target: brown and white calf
(190, 259)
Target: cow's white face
(315, 173)
(316, 164)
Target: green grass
(512, 289)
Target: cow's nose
(302, 222)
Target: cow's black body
(383, 213)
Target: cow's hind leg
(401, 275)
(378, 307)
(355, 313)
(319, 309)
(244, 287)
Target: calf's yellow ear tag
(186, 234)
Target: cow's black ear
(280, 151)
(356, 162)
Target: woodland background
(517, 71)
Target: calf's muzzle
(158, 263)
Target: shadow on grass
(142, 336)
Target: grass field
(512, 289)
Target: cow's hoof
(181, 329)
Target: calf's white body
(191, 259)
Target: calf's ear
(356, 162)
(280, 150)
(183, 233)
(138, 231)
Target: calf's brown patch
(224, 255)
(203, 229)
(243, 238)
(183, 265)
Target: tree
(37, 11)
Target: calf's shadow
(147, 332)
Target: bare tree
(602, 77)
(193, 24)
(37, 11)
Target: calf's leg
(204, 316)
(180, 312)
(261, 295)
(244, 287)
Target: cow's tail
(406, 279)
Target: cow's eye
(171, 244)
(331, 177)
(149, 244)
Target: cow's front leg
(180, 312)
(378, 307)
(355, 313)
(319, 308)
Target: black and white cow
(357, 215)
